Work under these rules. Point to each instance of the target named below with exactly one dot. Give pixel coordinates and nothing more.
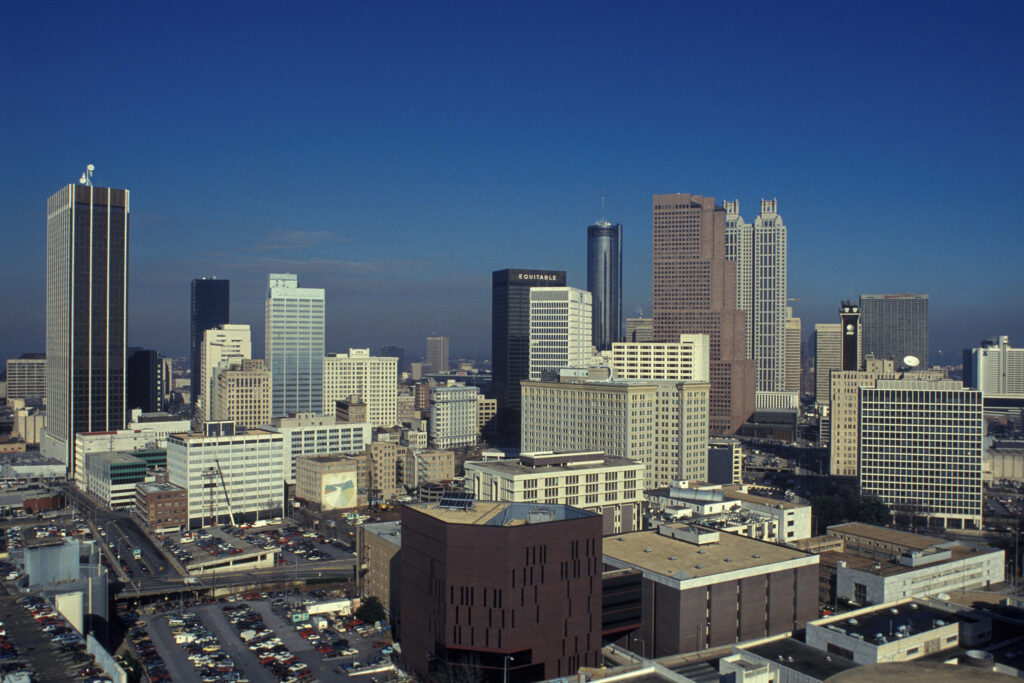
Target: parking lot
(266, 639)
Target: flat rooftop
(501, 513)
(886, 535)
(803, 658)
(887, 621)
(678, 559)
(596, 462)
(912, 672)
(733, 492)
(155, 487)
(389, 531)
(891, 567)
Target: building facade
(759, 252)
(660, 423)
(329, 481)
(794, 341)
(510, 335)
(604, 282)
(228, 474)
(86, 314)
(111, 478)
(454, 416)
(528, 609)
(438, 354)
(560, 326)
(220, 345)
(639, 330)
(828, 357)
(686, 359)
(242, 393)
(844, 413)
(143, 381)
(162, 506)
(211, 308)
(372, 378)
(895, 326)
(26, 377)
(995, 368)
(920, 449)
(694, 291)
(607, 486)
(308, 434)
(294, 345)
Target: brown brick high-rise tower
(694, 291)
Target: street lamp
(508, 658)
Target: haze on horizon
(396, 155)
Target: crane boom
(224, 487)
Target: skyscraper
(694, 291)
(86, 311)
(560, 326)
(211, 307)
(510, 335)
(793, 339)
(895, 326)
(294, 345)
(437, 354)
(143, 388)
(604, 282)
(221, 346)
(759, 252)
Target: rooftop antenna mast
(602, 205)
(86, 178)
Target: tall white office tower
(995, 368)
(86, 313)
(219, 348)
(759, 252)
(294, 345)
(560, 328)
(371, 378)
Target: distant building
(793, 361)
(211, 308)
(660, 423)
(725, 461)
(639, 330)
(686, 359)
(505, 613)
(560, 327)
(487, 411)
(163, 507)
(294, 345)
(26, 377)
(241, 393)
(995, 368)
(919, 452)
(142, 434)
(420, 467)
(220, 345)
(396, 352)
(828, 356)
(895, 326)
(607, 486)
(453, 416)
(845, 413)
(142, 384)
(438, 354)
(372, 378)
(351, 410)
(703, 589)
(694, 291)
(228, 473)
(307, 434)
(510, 335)
(604, 282)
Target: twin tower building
(713, 274)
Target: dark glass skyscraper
(895, 326)
(604, 282)
(211, 306)
(510, 335)
(86, 309)
(142, 383)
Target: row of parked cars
(293, 539)
(266, 645)
(212, 663)
(69, 642)
(144, 648)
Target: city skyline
(860, 147)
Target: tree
(371, 610)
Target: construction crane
(224, 486)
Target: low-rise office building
(331, 482)
(111, 478)
(308, 434)
(454, 415)
(378, 566)
(608, 486)
(162, 506)
(704, 589)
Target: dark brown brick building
(163, 506)
(499, 585)
(703, 589)
(694, 292)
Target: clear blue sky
(397, 153)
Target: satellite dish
(911, 361)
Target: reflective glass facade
(604, 282)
